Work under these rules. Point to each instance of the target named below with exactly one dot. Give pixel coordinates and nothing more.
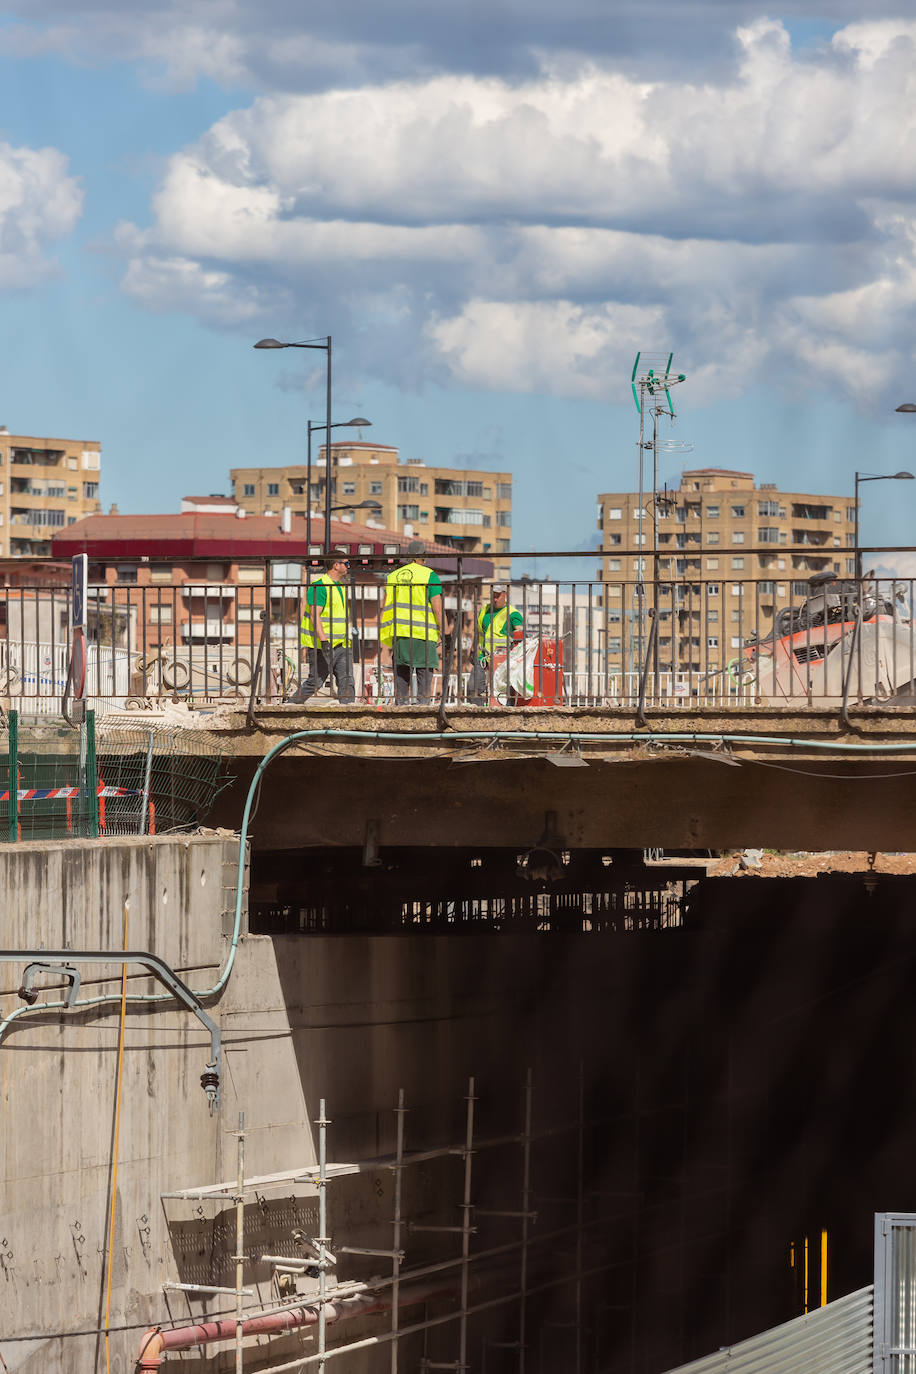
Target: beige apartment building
(730, 555)
(45, 485)
(461, 508)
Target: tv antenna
(651, 382)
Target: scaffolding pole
(240, 1245)
(396, 1230)
(580, 1203)
(526, 1209)
(322, 1239)
(466, 1227)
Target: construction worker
(324, 634)
(410, 623)
(498, 626)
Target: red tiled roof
(204, 534)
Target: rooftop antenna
(652, 379)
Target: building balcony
(207, 629)
(212, 591)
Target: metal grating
(836, 1339)
(895, 1293)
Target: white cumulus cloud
(39, 204)
(533, 234)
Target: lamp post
(359, 505)
(873, 477)
(908, 408)
(325, 347)
(358, 423)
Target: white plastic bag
(517, 670)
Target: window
(91, 458)
(768, 534)
(737, 536)
(52, 517)
(838, 517)
(613, 565)
(504, 493)
(424, 488)
(613, 513)
(475, 489)
(851, 514)
(248, 489)
(505, 518)
(273, 488)
(613, 645)
(160, 572)
(712, 616)
(770, 508)
(90, 491)
(215, 572)
(712, 642)
(487, 493)
(712, 512)
(736, 615)
(802, 511)
(250, 574)
(766, 588)
(851, 565)
(424, 517)
(502, 545)
(737, 512)
(712, 537)
(639, 565)
(408, 484)
(160, 614)
(737, 563)
(735, 642)
(349, 488)
(375, 488)
(712, 563)
(613, 539)
(639, 538)
(737, 588)
(126, 573)
(408, 512)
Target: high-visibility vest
(333, 615)
(407, 613)
(489, 636)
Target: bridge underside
(338, 801)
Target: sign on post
(78, 598)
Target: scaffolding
(471, 1283)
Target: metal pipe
(396, 1231)
(322, 1238)
(240, 1244)
(526, 1205)
(466, 1227)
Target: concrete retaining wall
(348, 1019)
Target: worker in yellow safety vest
(411, 623)
(324, 633)
(498, 626)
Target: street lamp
(872, 477)
(325, 347)
(360, 422)
(908, 408)
(359, 505)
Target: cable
(810, 773)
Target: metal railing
(565, 643)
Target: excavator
(845, 640)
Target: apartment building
(730, 554)
(45, 485)
(467, 510)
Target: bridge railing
(551, 642)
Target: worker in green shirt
(324, 633)
(411, 623)
(499, 625)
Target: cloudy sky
(491, 205)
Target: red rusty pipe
(155, 1342)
